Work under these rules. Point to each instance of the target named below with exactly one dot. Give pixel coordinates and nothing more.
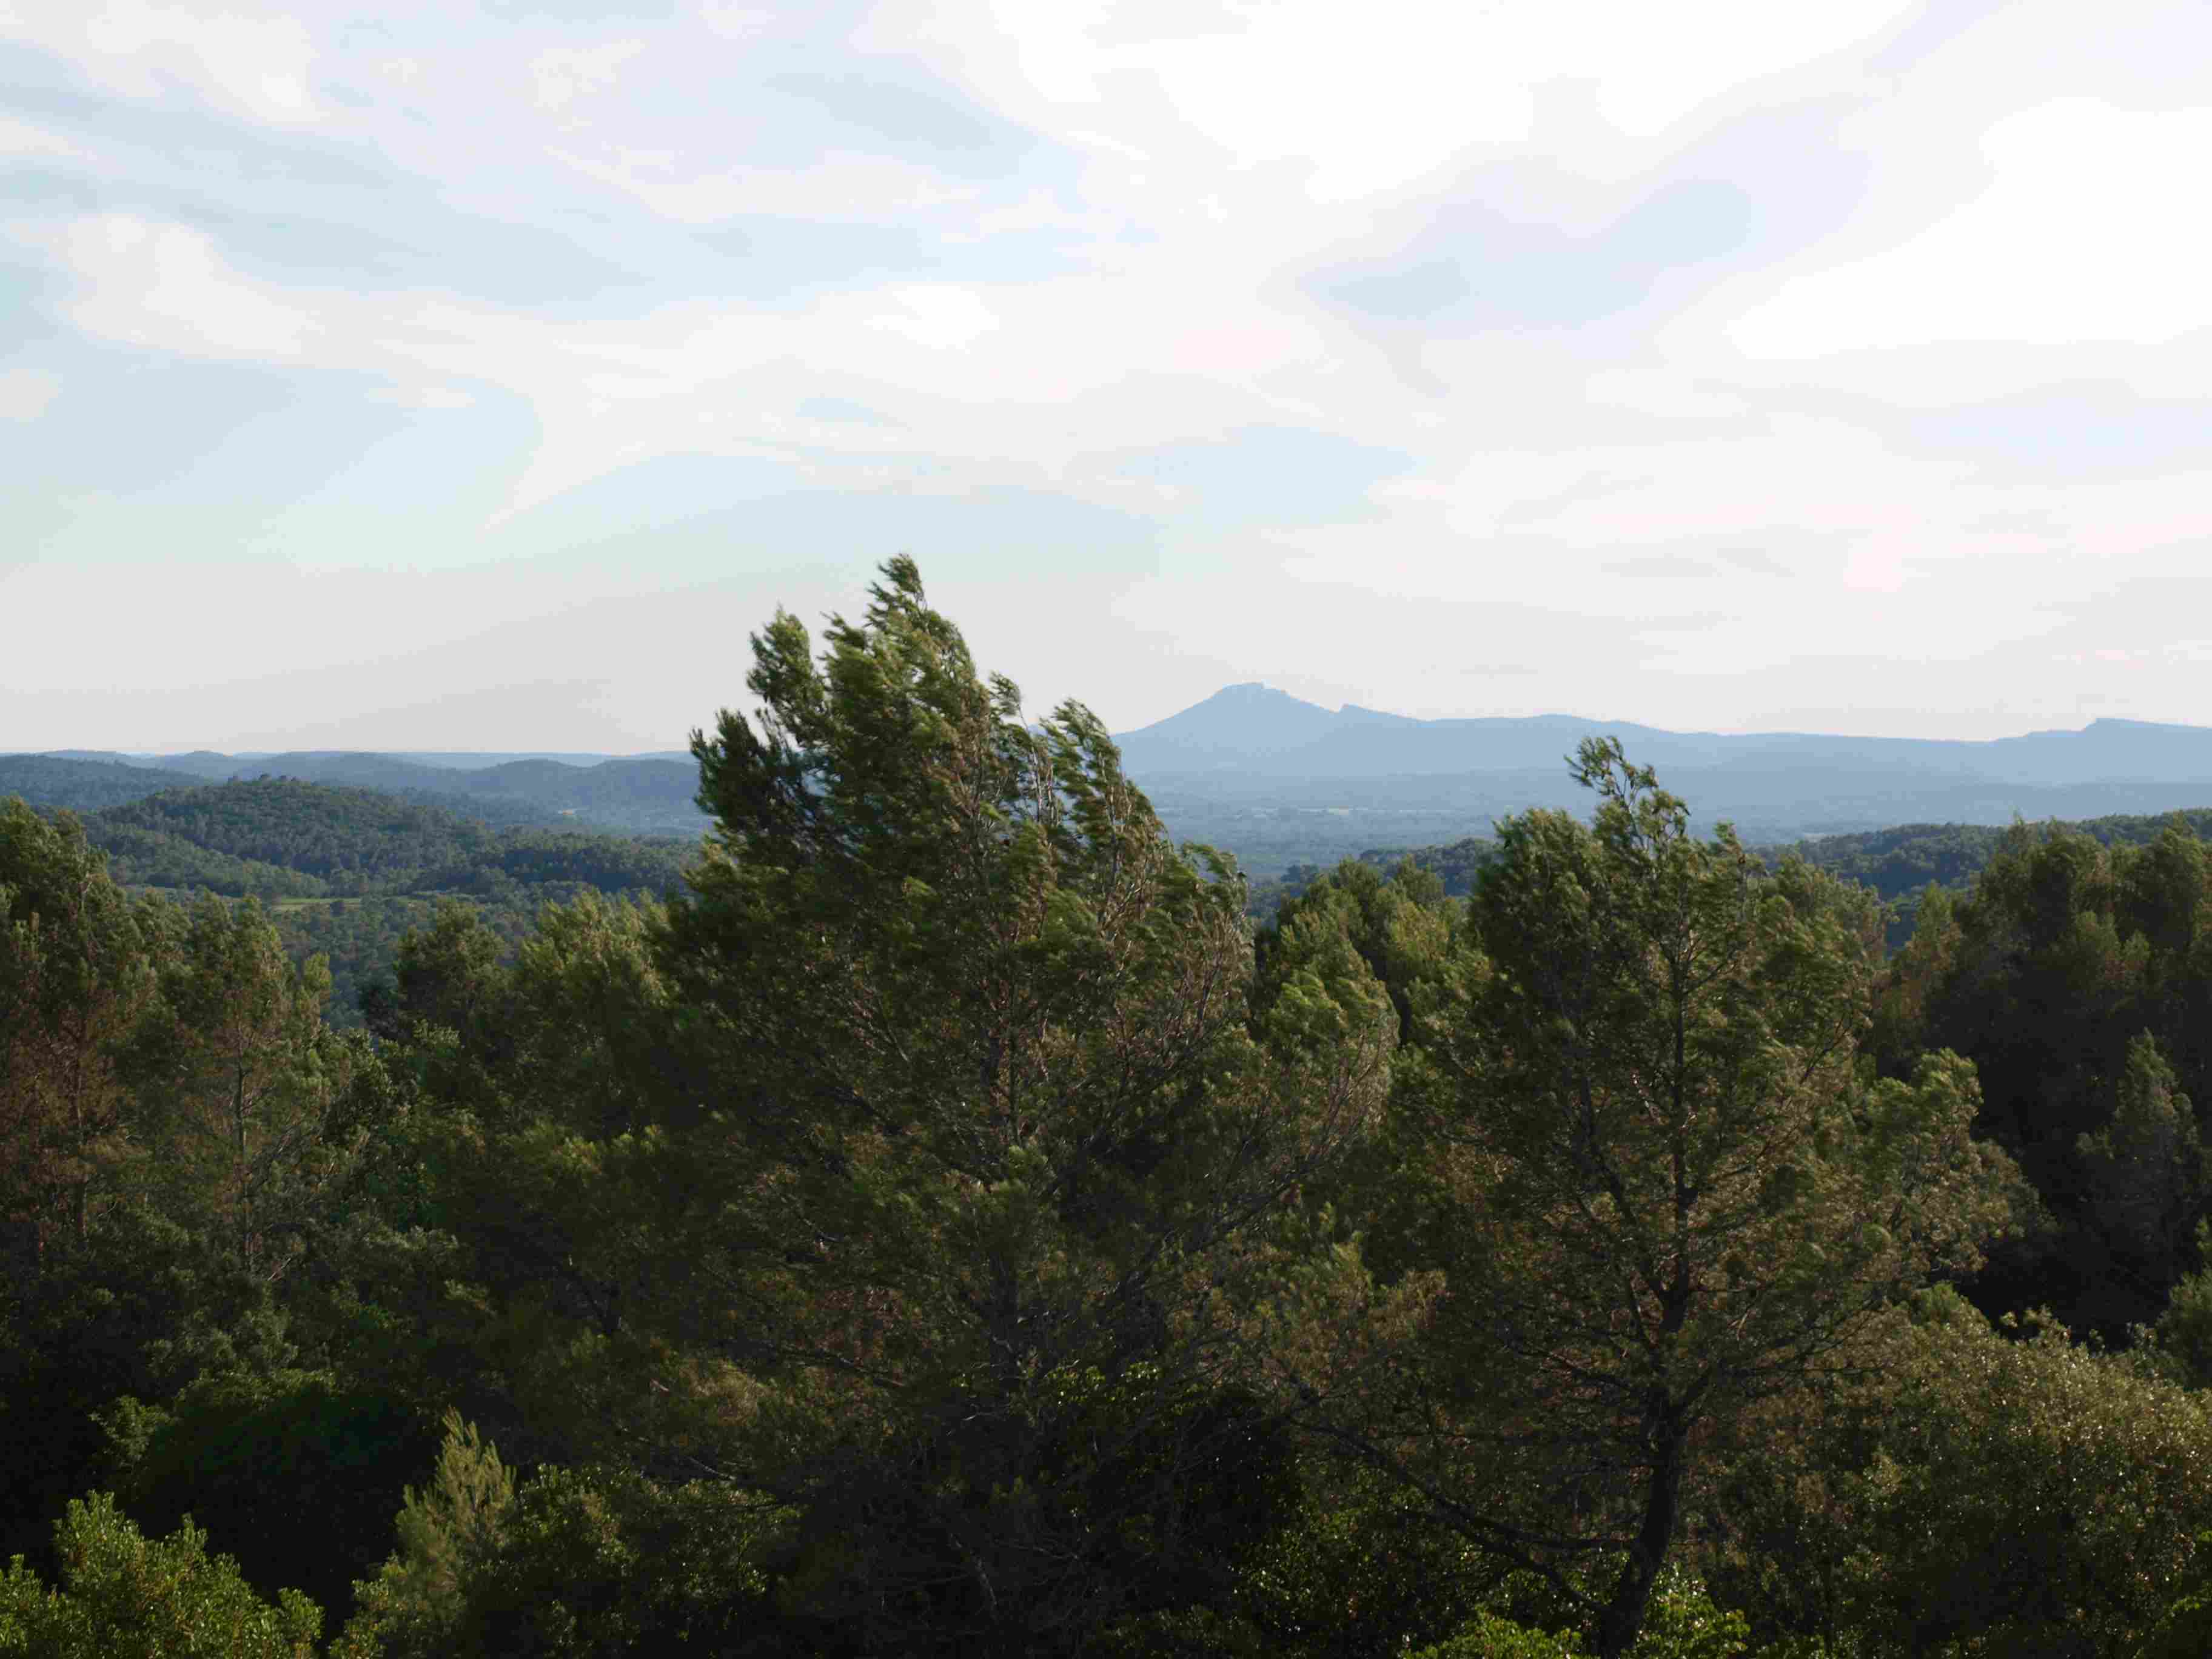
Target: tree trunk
(1623, 1617)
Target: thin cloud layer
(1728, 366)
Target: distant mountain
(1278, 780)
(1256, 732)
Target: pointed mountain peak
(1234, 724)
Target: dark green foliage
(1454, 867)
(2010, 1492)
(581, 1564)
(1360, 1572)
(137, 1308)
(139, 857)
(1398, 924)
(1652, 1181)
(2077, 978)
(298, 1475)
(348, 871)
(80, 786)
(77, 970)
(351, 838)
(264, 837)
(922, 1160)
(183, 1135)
(360, 940)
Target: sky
(438, 376)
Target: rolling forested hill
(84, 783)
(346, 873)
(263, 837)
(49, 781)
(642, 794)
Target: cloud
(424, 397)
(1666, 566)
(2076, 239)
(258, 62)
(25, 393)
(1876, 327)
(848, 185)
(929, 117)
(20, 138)
(1366, 101)
(167, 287)
(1477, 267)
(561, 74)
(1753, 560)
(842, 408)
(940, 318)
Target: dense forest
(638, 795)
(1900, 865)
(943, 1223)
(346, 873)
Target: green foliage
(139, 857)
(921, 1169)
(125, 1596)
(949, 1227)
(1397, 923)
(2183, 1631)
(350, 871)
(2078, 978)
(1493, 1637)
(77, 972)
(446, 1532)
(348, 838)
(1682, 1623)
(1360, 1573)
(1654, 1177)
(1453, 868)
(138, 1307)
(2179, 1345)
(238, 1083)
(1974, 1492)
(279, 838)
(81, 786)
(572, 1562)
(2145, 1169)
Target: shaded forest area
(943, 1225)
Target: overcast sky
(432, 376)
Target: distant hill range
(642, 794)
(1242, 766)
(345, 872)
(1279, 781)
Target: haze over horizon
(1211, 699)
(476, 378)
